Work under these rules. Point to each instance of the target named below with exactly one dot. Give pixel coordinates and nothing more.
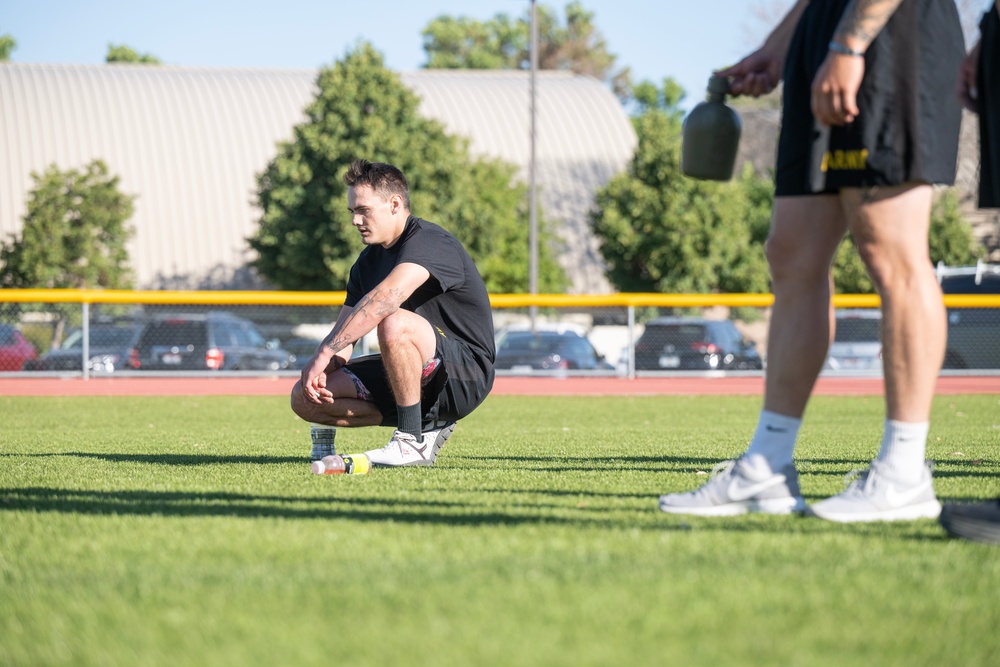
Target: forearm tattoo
(863, 20)
(376, 306)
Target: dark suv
(206, 341)
(678, 343)
(526, 351)
(973, 341)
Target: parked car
(973, 339)
(108, 349)
(547, 350)
(15, 349)
(682, 343)
(302, 349)
(206, 341)
(857, 344)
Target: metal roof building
(190, 142)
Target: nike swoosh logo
(900, 498)
(775, 429)
(738, 492)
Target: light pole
(532, 174)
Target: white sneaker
(404, 450)
(438, 436)
(875, 496)
(738, 487)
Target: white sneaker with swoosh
(405, 450)
(874, 495)
(745, 485)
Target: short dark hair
(383, 178)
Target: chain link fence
(93, 333)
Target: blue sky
(655, 38)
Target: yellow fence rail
(609, 335)
(635, 299)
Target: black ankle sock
(409, 419)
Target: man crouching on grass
(417, 286)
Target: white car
(857, 344)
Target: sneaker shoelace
(720, 473)
(393, 446)
(721, 469)
(858, 479)
(405, 440)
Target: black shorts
(909, 120)
(989, 110)
(458, 386)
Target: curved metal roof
(190, 141)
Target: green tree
(504, 43)
(664, 232)
(123, 54)
(7, 46)
(951, 237)
(306, 240)
(74, 235)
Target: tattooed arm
(835, 88)
(353, 323)
(862, 21)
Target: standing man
(979, 92)
(417, 286)
(865, 133)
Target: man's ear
(395, 204)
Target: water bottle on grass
(335, 464)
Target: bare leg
(407, 342)
(805, 234)
(890, 227)
(345, 410)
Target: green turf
(189, 531)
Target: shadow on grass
(961, 469)
(409, 511)
(583, 463)
(545, 464)
(195, 504)
(674, 464)
(172, 459)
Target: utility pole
(532, 172)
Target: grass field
(189, 531)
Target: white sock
(774, 438)
(904, 446)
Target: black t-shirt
(454, 298)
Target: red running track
(507, 385)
